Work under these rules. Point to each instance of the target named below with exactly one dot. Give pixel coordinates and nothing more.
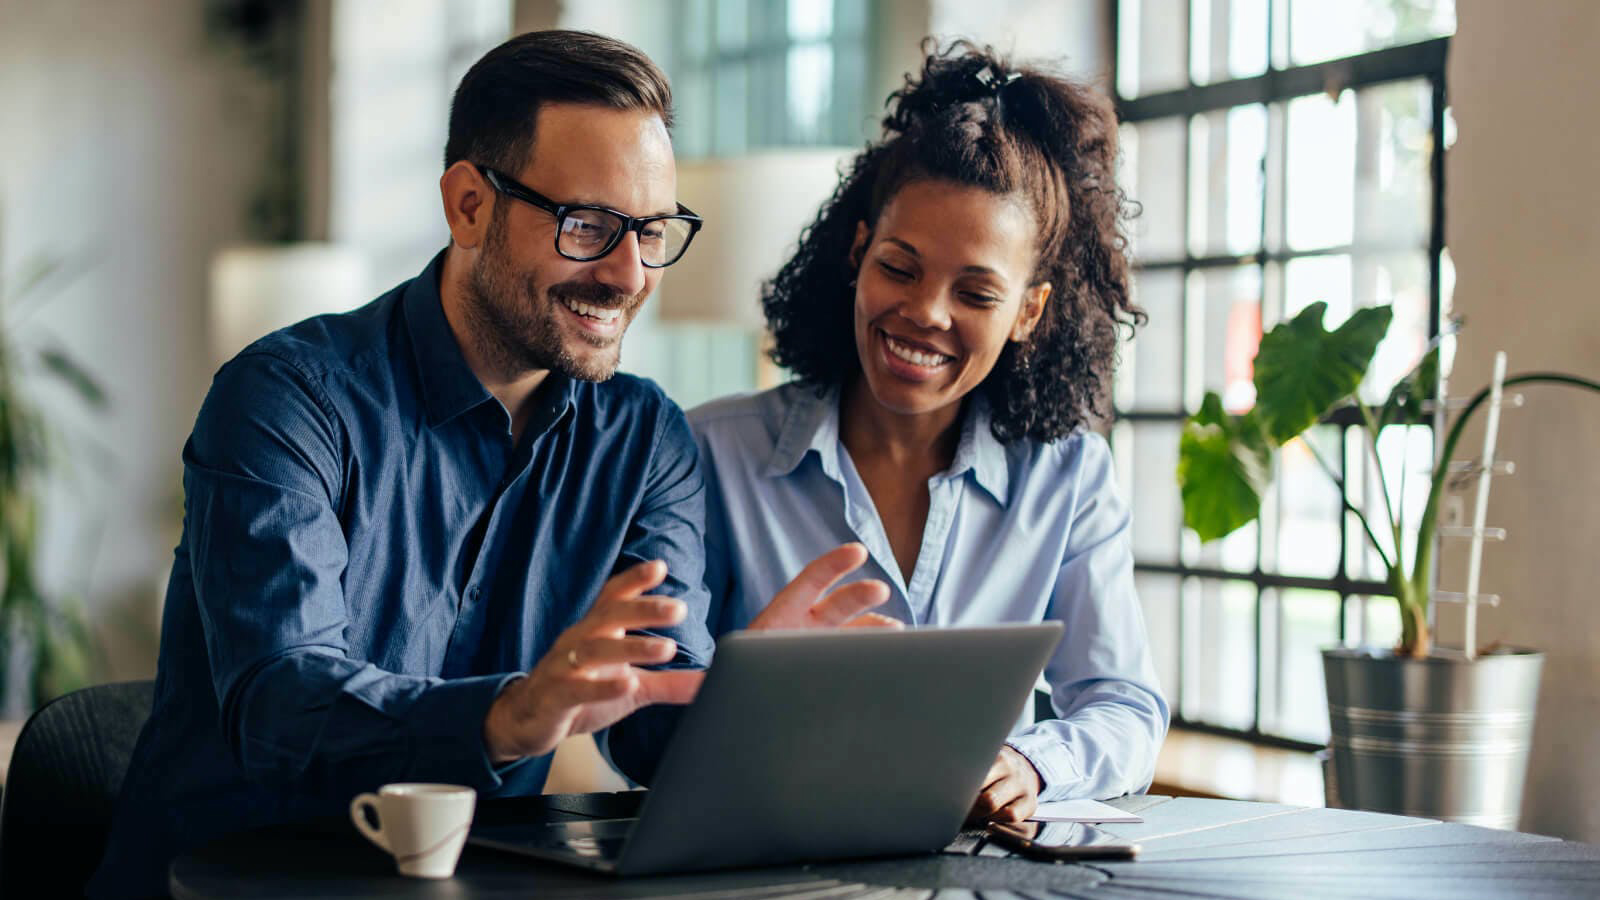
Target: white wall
(132, 146)
(1523, 225)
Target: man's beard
(516, 323)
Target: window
(396, 64)
(749, 75)
(770, 73)
(1284, 152)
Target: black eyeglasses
(587, 233)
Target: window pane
(691, 137)
(1322, 169)
(810, 77)
(1226, 149)
(1372, 622)
(810, 19)
(1296, 625)
(1228, 39)
(1400, 281)
(693, 27)
(1394, 184)
(1310, 279)
(1219, 682)
(733, 24)
(1303, 524)
(1224, 322)
(1157, 507)
(1155, 158)
(731, 85)
(1364, 492)
(1330, 29)
(1151, 37)
(1158, 598)
(1150, 377)
(1406, 454)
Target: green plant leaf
(59, 364)
(1405, 403)
(1224, 465)
(1303, 370)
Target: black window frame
(1424, 60)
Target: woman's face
(942, 285)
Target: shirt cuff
(1058, 772)
(447, 728)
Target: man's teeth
(603, 313)
(915, 356)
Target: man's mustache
(591, 294)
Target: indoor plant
(44, 641)
(1414, 730)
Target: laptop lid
(808, 745)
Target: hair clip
(992, 82)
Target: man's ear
(467, 204)
(858, 247)
(1033, 304)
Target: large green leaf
(1303, 370)
(1405, 403)
(1224, 465)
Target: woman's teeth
(913, 355)
(601, 313)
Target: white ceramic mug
(421, 825)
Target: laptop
(816, 745)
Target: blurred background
(180, 176)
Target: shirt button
(472, 594)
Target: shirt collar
(812, 423)
(449, 386)
(980, 452)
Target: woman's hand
(807, 602)
(1010, 791)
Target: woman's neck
(920, 443)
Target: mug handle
(358, 806)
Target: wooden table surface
(1192, 848)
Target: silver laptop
(812, 745)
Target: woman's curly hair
(1017, 130)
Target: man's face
(532, 308)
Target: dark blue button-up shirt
(368, 557)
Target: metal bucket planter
(1439, 738)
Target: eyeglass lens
(586, 233)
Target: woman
(952, 318)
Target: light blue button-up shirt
(1015, 533)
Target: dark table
(1192, 848)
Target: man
(429, 539)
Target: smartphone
(1060, 841)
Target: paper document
(1081, 811)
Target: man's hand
(588, 680)
(805, 602)
(1010, 791)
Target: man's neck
(514, 389)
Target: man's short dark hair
(492, 116)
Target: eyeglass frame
(510, 187)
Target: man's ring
(572, 657)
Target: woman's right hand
(806, 601)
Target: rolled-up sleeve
(263, 477)
(1110, 714)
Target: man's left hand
(1010, 791)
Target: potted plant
(1414, 730)
(45, 641)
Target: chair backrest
(65, 773)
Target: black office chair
(65, 773)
